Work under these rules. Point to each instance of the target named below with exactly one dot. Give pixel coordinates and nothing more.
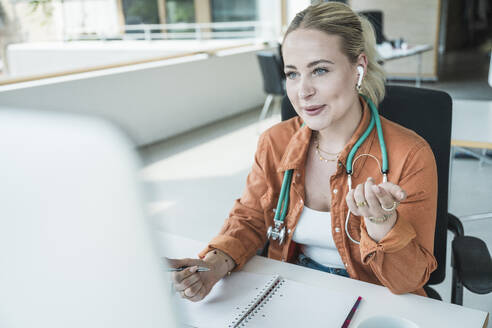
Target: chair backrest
(272, 73)
(428, 113)
(376, 19)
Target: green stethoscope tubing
(283, 200)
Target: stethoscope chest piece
(276, 233)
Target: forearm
(399, 259)
(404, 271)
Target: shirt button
(301, 201)
(335, 191)
(274, 210)
(337, 229)
(289, 231)
(346, 265)
(339, 163)
(298, 174)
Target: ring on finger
(392, 208)
(361, 204)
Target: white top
(313, 232)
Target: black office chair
(428, 113)
(273, 79)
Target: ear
(362, 61)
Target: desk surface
(472, 124)
(377, 300)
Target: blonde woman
(378, 231)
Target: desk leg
(419, 70)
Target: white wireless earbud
(360, 69)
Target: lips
(313, 109)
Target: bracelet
(379, 220)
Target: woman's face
(320, 78)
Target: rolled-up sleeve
(244, 230)
(403, 259)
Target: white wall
(152, 101)
(27, 59)
(295, 6)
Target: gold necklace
(319, 151)
(326, 160)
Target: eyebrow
(314, 63)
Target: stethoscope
(278, 230)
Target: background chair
(429, 113)
(273, 79)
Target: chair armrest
(473, 264)
(455, 225)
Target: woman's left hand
(368, 200)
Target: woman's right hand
(193, 285)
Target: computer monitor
(76, 249)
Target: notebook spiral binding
(269, 289)
(265, 298)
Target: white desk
(472, 126)
(387, 53)
(377, 300)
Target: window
(234, 11)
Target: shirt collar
(295, 154)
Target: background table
(387, 54)
(472, 126)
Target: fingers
(200, 295)
(179, 277)
(351, 203)
(370, 196)
(192, 264)
(187, 282)
(385, 198)
(360, 200)
(178, 263)
(367, 199)
(395, 191)
(193, 289)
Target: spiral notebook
(246, 299)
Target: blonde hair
(357, 37)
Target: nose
(306, 89)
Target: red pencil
(351, 313)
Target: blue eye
(320, 71)
(291, 75)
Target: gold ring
(392, 208)
(361, 204)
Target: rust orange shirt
(402, 261)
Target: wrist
(223, 263)
(378, 230)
